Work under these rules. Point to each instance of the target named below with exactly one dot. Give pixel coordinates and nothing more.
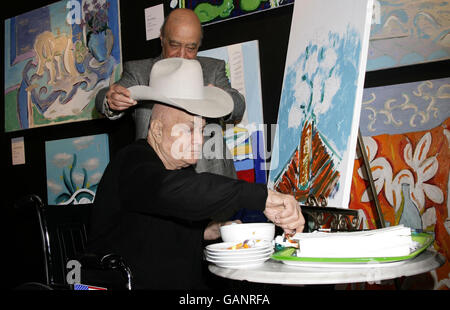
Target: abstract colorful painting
(320, 104)
(74, 168)
(245, 140)
(56, 59)
(213, 11)
(406, 133)
(408, 32)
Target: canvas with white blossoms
(320, 103)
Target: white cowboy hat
(179, 83)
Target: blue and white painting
(320, 103)
(406, 32)
(74, 168)
(407, 107)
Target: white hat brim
(216, 102)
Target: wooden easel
(362, 149)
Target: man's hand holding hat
(119, 98)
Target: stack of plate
(223, 255)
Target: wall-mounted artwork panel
(405, 128)
(214, 11)
(246, 139)
(74, 168)
(56, 59)
(406, 32)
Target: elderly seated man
(152, 208)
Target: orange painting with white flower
(406, 133)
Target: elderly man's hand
(118, 98)
(212, 231)
(284, 211)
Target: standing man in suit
(181, 36)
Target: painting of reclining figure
(318, 116)
(56, 59)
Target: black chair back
(63, 229)
(66, 228)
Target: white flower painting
(422, 169)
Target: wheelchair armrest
(109, 261)
(90, 260)
(113, 261)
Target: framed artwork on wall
(406, 32)
(405, 129)
(56, 59)
(405, 132)
(215, 11)
(74, 168)
(246, 139)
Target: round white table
(276, 272)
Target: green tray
(424, 240)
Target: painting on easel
(320, 104)
(56, 59)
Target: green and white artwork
(214, 11)
(74, 168)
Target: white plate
(241, 256)
(238, 258)
(239, 252)
(237, 261)
(224, 247)
(243, 264)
